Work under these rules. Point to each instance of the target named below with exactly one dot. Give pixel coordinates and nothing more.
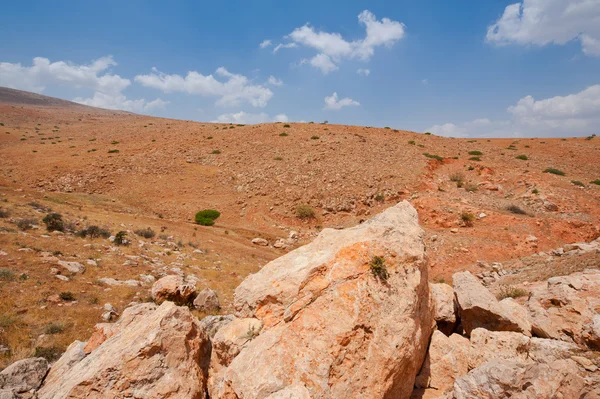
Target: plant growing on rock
(207, 217)
(54, 222)
(378, 268)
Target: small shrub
(4, 213)
(66, 296)
(286, 125)
(94, 232)
(428, 133)
(516, 210)
(146, 233)
(54, 328)
(467, 218)
(378, 268)
(554, 171)
(379, 197)
(314, 137)
(433, 156)
(50, 354)
(596, 182)
(207, 217)
(457, 177)
(26, 223)
(411, 142)
(508, 291)
(475, 159)
(522, 157)
(6, 274)
(121, 238)
(305, 212)
(113, 151)
(278, 158)
(216, 152)
(475, 153)
(470, 187)
(535, 191)
(284, 134)
(114, 142)
(577, 183)
(54, 222)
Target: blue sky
(468, 68)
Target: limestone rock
(73, 267)
(260, 241)
(348, 313)
(24, 375)
(212, 324)
(155, 351)
(446, 360)
(478, 307)
(172, 288)
(445, 307)
(207, 301)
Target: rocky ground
(493, 214)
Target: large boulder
(348, 314)
(154, 351)
(207, 301)
(507, 378)
(23, 375)
(478, 307)
(173, 288)
(444, 307)
(566, 308)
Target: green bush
(54, 222)
(207, 217)
(305, 212)
(50, 354)
(467, 218)
(411, 142)
(286, 125)
(475, 159)
(577, 183)
(554, 171)
(597, 182)
(216, 152)
(113, 151)
(433, 156)
(516, 210)
(6, 274)
(4, 213)
(146, 233)
(284, 134)
(314, 137)
(522, 157)
(121, 238)
(457, 177)
(94, 232)
(475, 153)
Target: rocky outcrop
(348, 314)
(207, 301)
(173, 288)
(23, 375)
(152, 351)
(478, 307)
(445, 308)
(566, 308)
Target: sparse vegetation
(475, 159)
(26, 223)
(508, 291)
(121, 238)
(378, 268)
(94, 232)
(50, 354)
(113, 151)
(54, 328)
(411, 142)
(305, 212)
(467, 218)
(522, 157)
(475, 153)
(577, 183)
(286, 125)
(314, 137)
(4, 213)
(6, 274)
(283, 134)
(516, 210)
(54, 222)
(554, 171)
(596, 182)
(433, 156)
(471, 187)
(66, 296)
(207, 217)
(379, 197)
(146, 233)
(457, 177)
(216, 152)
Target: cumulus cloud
(363, 71)
(249, 118)
(265, 43)
(332, 48)
(541, 22)
(572, 115)
(107, 87)
(232, 91)
(274, 81)
(333, 102)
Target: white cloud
(287, 45)
(541, 22)
(333, 102)
(231, 92)
(265, 43)
(119, 101)
(363, 71)
(572, 115)
(274, 81)
(107, 87)
(425, 81)
(249, 118)
(333, 48)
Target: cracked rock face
(348, 314)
